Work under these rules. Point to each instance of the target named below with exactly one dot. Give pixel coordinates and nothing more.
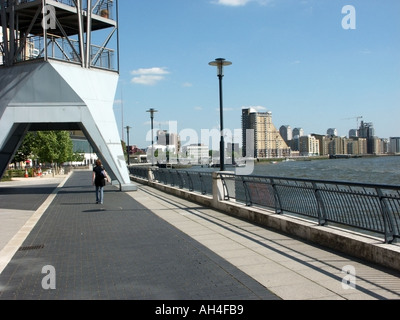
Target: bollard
(217, 189)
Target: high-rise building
(357, 146)
(268, 142)
(353, 133)
(309, 146)
(286, 133)
(395, 145)
(164, 138)
(299, 132)
(332, 132)
(334, 145)
(366, 130)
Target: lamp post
(220, 63)
(128, 146)
(152, 111)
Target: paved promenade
(148, 245)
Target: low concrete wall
(353, 244)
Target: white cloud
(240, 3)
(143, 71)
(366, 51)
(147, 80)
(225, 109)
(233, 3)
(149, 77)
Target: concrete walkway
(149, 245)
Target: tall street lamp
(152, 111)
(220, 63)
(128, 146)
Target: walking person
(99, 181)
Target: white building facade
(196, 153)
(309, 146)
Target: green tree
(25, 151)
(53, 147)
(78, 156)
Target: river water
(377, 170)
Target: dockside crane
(357, 119)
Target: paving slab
(291, 268)
(117, 251)
(148, 245)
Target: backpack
(101, 174)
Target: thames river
(376, 170)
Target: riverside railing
(193, 181)
(365, 207)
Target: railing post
(387, 217)
(217, 189)
(191, 187)
(321, 207)
(181, 181)
(278, 204)
(247, 193)
(202, 184)
(150, 175)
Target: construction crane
(357, 118)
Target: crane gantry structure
(59, 70)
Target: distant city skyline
(261, 139)
(299, 131)
(304, 61)
(334, 131)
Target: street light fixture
(220, 63)
(128, 146)
(152, 111)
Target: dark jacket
(100, 176)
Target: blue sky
(290, 57)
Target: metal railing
(368, 207)
(64, 49)
(98, 6)
(374, 209)
(193, 181)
